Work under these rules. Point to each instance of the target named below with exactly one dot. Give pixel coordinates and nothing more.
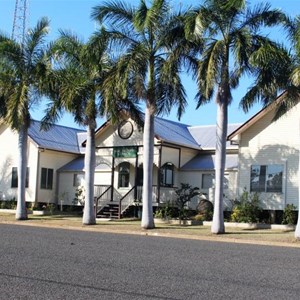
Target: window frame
(263, 178)
(48, 184)
(226, 181)
(15, 177)
(212, 180)
(164, 175)
(77, 178)
(126, 173)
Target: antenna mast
(20, 21)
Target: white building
(182, 154)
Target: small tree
(289, 215)
(247, 209)
(185, 194)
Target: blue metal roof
(60, 138)
(199, 137)
(76, 165)
(174, 132)
(207, 162)
(205, 136)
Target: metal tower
(20, 21)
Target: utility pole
(20, 21)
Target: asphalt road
(40, 263)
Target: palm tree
(230, 40)
(76, 86)
(283, 71)
(147, 69)
(23, 69)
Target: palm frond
(36, 37)
(118, 13)
(288, 100)
(273, 67)
(263, 15)
(209, 68)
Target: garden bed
(177, 222)
(254, 225)
(12, 211)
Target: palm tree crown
(23, 70)
(141, 40)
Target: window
(78, 179)
(167, 175)
(140, 176)
(266, 178)
(14, 177)
(124, 172)
(47, 179)
(207, 181)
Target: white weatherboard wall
(266, 143)
(66, 192)
(187, 155)
(109, 137)
(9, 159)
(53, 160)
(194, 178)
(170, 155)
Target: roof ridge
(63, 126)
(213, 125)
(171, 121)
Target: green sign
(127, 152)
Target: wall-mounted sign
(127, 152)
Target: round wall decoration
(125, 129)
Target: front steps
(109, 211)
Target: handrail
(98, 199)
(104, 192)
(121, 199)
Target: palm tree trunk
(148, 140)
(221, 136)
(89, 217)
(21, 212)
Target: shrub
(8, 204)
(185, 194)
(79, 196)
(199, 217)
(247, 210)
(289, 215)
(166, 212)
(205, 209)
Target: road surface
(42, 263)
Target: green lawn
(71, 221)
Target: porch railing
(99, 189)
(167, 194)
(103, 199)
(126, 201)
(134, 195)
